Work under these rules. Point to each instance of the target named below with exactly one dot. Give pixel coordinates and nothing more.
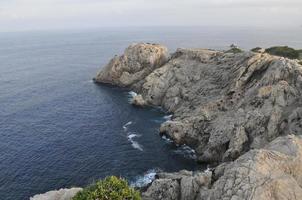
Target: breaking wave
(145, 179)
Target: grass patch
(111, 188)
(284, 51)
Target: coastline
(233, 109)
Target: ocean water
(59, 129)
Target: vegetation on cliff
(256, 49)
(234, 49)
(111, 188)
(285, 51)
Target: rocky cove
(241, 113)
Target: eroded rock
(62, 194)
(183, 185)
(271, 173)
(228, 107)
(223, 104)
(138, 61)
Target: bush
(284, 51)
(300, 54)
(256, 49)
(234, 50)
(111, 188)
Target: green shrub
(256, 49)
(111, 188)
(234, 50)
(284, 51)
(300, 54)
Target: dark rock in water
(223, 105)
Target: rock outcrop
(62, 194)
(223, 104)
(180, 185)
(274, 172)
(138, 61)
(230, 108)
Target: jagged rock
(223, 104)
(274, 173)
(228, 107)
(183, 185)
(62, 194)
(138, 61)
(163, 189)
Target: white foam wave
(186, 151)
(125, 127)
(168, 117)
(134, 143)
(131, 95)
(133, 136)
(168, 140)
(144, 180)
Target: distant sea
(58, 129)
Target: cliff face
(223, 104)
(229, 107)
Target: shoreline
(234, 108)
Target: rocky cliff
(229, 107)
(271, 173)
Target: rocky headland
(240, 112)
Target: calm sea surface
(58, 129)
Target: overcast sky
(54, 14)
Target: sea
(58, 129)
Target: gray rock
(138, 101)
(223, 104)
(138, 61)
(163, 189)
(274, 173)
(183, 185)
(62, 194)
(228, 107)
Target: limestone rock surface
(62, 194)
(138, 61)
(241, 112)
(223, 104)
(271, 173)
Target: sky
(66, 14)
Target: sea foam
(145, 179)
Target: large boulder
(184, 185)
